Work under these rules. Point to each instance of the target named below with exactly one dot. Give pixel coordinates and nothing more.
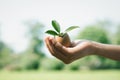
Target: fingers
(61, 48)
(59, 54)
(47, 44)
(78, 50)
(54, 51)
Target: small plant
(61, 37)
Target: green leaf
(56, 25)
(51, 32)
(71, 28)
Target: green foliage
(29, 61)
(74, 66)
(94, 33)
(71, 28)
(35, 32)
(51, 32)
(57, 31)
(25, 61)
(56, 25)
(89, 62)
(94, 62)
(52, 64)
(117, 35)
(5, 55)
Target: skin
(65, 40)
(81, 49)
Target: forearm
(108, 51)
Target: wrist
(97, 48)
(91, 48)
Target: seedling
(61, 37)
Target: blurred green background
(29, 59)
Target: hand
(77, 50)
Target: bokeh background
(23, 54)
